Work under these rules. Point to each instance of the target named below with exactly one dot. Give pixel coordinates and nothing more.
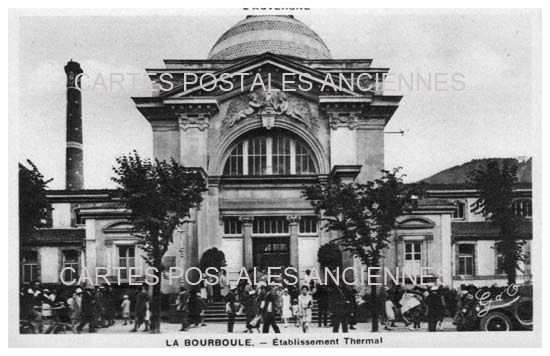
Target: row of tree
(161, 196)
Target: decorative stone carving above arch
(415, 223)
(269, 106)
(119, 227)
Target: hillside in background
(459, 174)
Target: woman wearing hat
(125, 306)
(75, 306)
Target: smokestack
(74, 168)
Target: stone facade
(259, 147)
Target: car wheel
(524, 313)
(495, 321)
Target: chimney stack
(74, 168)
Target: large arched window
(276, 153)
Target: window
(70, 260)
(277, 154)
(304, 162)
(232, 226)
(234, 164)
(281, 155)
(276, 248)
(30, 266)
(126, 259)
(466, 259)
(308, 225)
(257, 156)
(459, 210)
(500, 264)
(273, 251)
(270, 225)
(523, 208)
(413, 258)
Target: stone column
(247, 241)
(294, 256)
(191, 245)
(213, 213)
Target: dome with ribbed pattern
(283, 35)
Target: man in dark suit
(89, 313)
(142, 305)
(269, 311)
(322, 296)
(230, 307)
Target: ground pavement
(221, 328)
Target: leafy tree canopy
(495, 183)
(160, 196)
(212, 258)
(33, 204)
(329, 256)
(363, 214)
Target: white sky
(492, 117)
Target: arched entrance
(264, 173)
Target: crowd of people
(94, 307)
(265, 306)
(413, 306)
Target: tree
(33, 204)
(212, 258)
(329, 256)
(364, 215)
(495, 184)
(160, 196)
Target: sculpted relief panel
(268, 105)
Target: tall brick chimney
(74, 168)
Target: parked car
(490, 309)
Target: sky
(490, 115)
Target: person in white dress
(224, 284)
(305, 305)
(287, 307)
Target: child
(125, 306)
(296, 312)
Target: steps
(215, 313)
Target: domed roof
(282, 35)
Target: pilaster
(247, 241)
(294, 222)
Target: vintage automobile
(510, 308)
